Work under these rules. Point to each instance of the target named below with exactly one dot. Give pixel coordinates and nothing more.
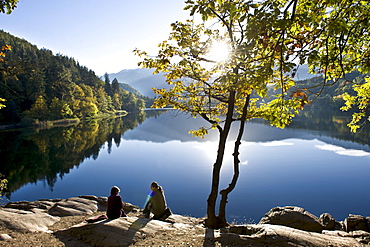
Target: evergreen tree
(115, 86)
(27, 72)
(108, 87)
(13, 111)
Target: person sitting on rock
(115, 204)
(156, 203)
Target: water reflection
(30, 155)
(295, 166)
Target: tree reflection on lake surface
(316, 164)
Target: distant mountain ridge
(130, 89)
(143, 79)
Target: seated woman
(156, 202)
(115, 204)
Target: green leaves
(361, 101)
(268, 41)
(7, 6)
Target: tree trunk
(213, 220)
(225, 192)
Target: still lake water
(318, 169)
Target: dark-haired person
(115, 204)
(157, 203)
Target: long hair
(155, 185)
(115, 190)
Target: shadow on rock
(118, 232)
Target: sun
(219, 51)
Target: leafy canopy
(268, 40)
(203, 87)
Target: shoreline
(57, 123)
(62, 222)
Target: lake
(315, 164)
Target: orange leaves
(3, 54)
(300, 94)
(6, 47)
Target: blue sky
(98, 34)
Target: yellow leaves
(2, 105)
(348, 101)
(201, 132)
(6, 47)
(2, 53)
(265, 46)
(3, 184)
(361, 100)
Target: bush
(28, 122)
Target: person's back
(115, 205)
(158, 203)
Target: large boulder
(74, 206)
(23, 220)
(276, 235)
(294, 217)
(357, 222)
(26, 205)
(329, 223)
(102, 201)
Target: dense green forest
(38, 85)
(328, 97)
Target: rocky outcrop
(329, 223)
(294, 217)
(299, 218)
(22, 220)
(281, 226)
(357, 222)
(123, 231)
(73, 206)
(277, 235)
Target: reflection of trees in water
(156, 113)
(332, 125)
(28, 156)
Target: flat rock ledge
(281, 226)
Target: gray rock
(128, 207)
(276, 235)
(294, 217)
(23, 220)
(102, 201)
(4, 237)
(26, 205)
(356, 222)
(73, 206)
(329, 223)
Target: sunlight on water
(277, 143)
(281, 168)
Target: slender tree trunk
(225, 192)
(213, 220)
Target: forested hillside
(329, 96)
(38, 85)
(133, 91)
